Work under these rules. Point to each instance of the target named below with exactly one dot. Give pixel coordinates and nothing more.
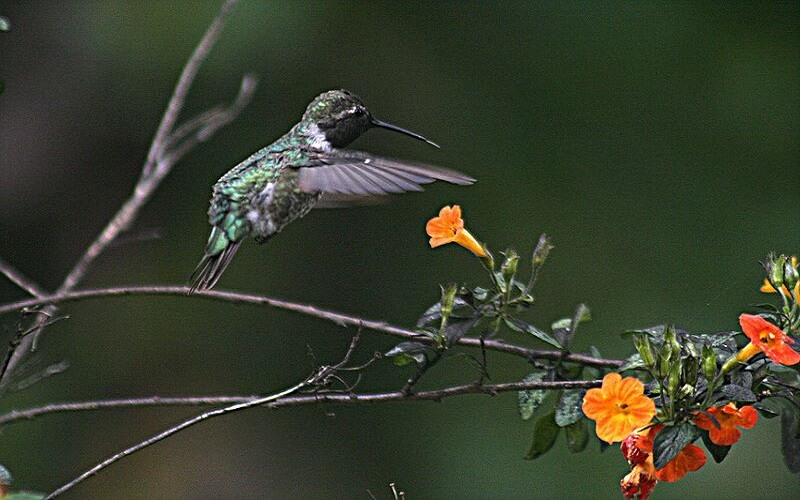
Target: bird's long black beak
(389, 126)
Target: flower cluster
(677, 390)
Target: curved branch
(160, 159)
(308, 310)
(297, 400)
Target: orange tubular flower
(728, 417)
(689, 459)
(768, 338)
(618, 407)
(448, 227)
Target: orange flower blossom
(768, 288)
(690, 458)
(768, 338)
(618, 407)
(728, 417)
(448, 227)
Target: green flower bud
(775, 270)
(448, 300)
(664, 357)
(674, 380)
(790, 275)
(509, 266)
(709, 362)
(671, 338)
(645, 350)
(690, 368)
(541, 251)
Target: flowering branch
(340, 319)
(293, 400)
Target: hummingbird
(303, 169)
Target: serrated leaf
(730, 392)
(718, 452)
(577, 436)
(545, 432)
(529, 400)
(742, 378)
(790, 439)
(521, 326)
(568, 408)
(670, 441)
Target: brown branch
(319, 378)
(165, 151)
(175, 429)
(20, 279)
(297, 400)
(309, 310)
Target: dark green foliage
(545, 432)
(671, 440)
(529, 400)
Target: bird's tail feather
(211, 267)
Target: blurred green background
(657, 143)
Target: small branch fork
(321, 377)
(169, 145)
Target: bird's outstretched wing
(351, 177)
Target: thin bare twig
(298, 400)
(309, 310)
(164, 152)
(20, 279)
(319, 378)
(175, 429)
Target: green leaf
(458, 328)
(671, 440)
(529, 400)
(545, 432)
(730, 392)
(790, 439)
(521, 326)
(408, 352)
(718, 452)
(5, 24)
(772, 407)
(24, 495)
(633, 362)
(577, 436)
(568, 409)
(434, 312)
